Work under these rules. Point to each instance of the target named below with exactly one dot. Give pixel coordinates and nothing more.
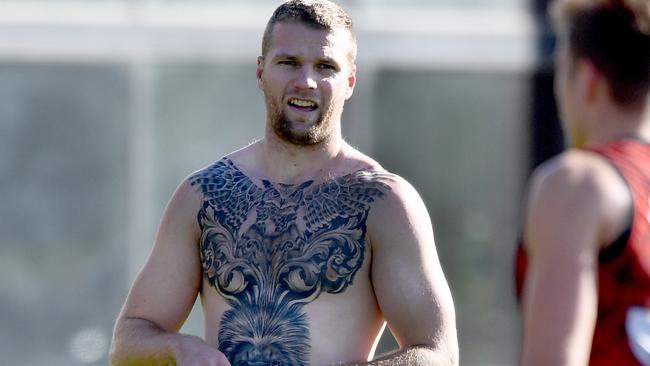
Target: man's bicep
(409, 283)
(166, 287)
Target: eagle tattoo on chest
(269, 250)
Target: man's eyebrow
(328, 60)
(285, 56)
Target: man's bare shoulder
(224, 167)
(397, 188)
(370, 170)
(399, 203)
(367, 172)
(579, 186)
(578, 174)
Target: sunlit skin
(306, 77)
(565, 94)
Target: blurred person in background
(587, 228)
(300, 246)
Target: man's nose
(306, 78)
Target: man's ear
(352, 81)
(591, 81)
(260, 71)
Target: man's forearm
(415, 356)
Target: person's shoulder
(208, 173)
(578, 173)
(399, 210)
(397, 193)
(370, 172)
(579, 185)
(195, 188)
(366, 169)
(223, 170)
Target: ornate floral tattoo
(270, 250)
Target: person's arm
(412, 356)
(411, 289)
(575, 204)
(163, 294)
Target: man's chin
(299, 139)
(300, 132)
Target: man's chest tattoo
(270, 250)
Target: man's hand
(193, 351)
(140, 342)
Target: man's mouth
(303, 104)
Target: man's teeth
(302, 103)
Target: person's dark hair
(615, 36)
(318, 14)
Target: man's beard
(283, 127)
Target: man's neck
(616, 123)
(288, 163)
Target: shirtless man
(301, 247)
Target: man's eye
(326, 67)
(287, 62)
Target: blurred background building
(106, 105)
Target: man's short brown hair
(317, 14)
(615, 36)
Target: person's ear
(260, 71)
(590, 80)
(352, 81)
